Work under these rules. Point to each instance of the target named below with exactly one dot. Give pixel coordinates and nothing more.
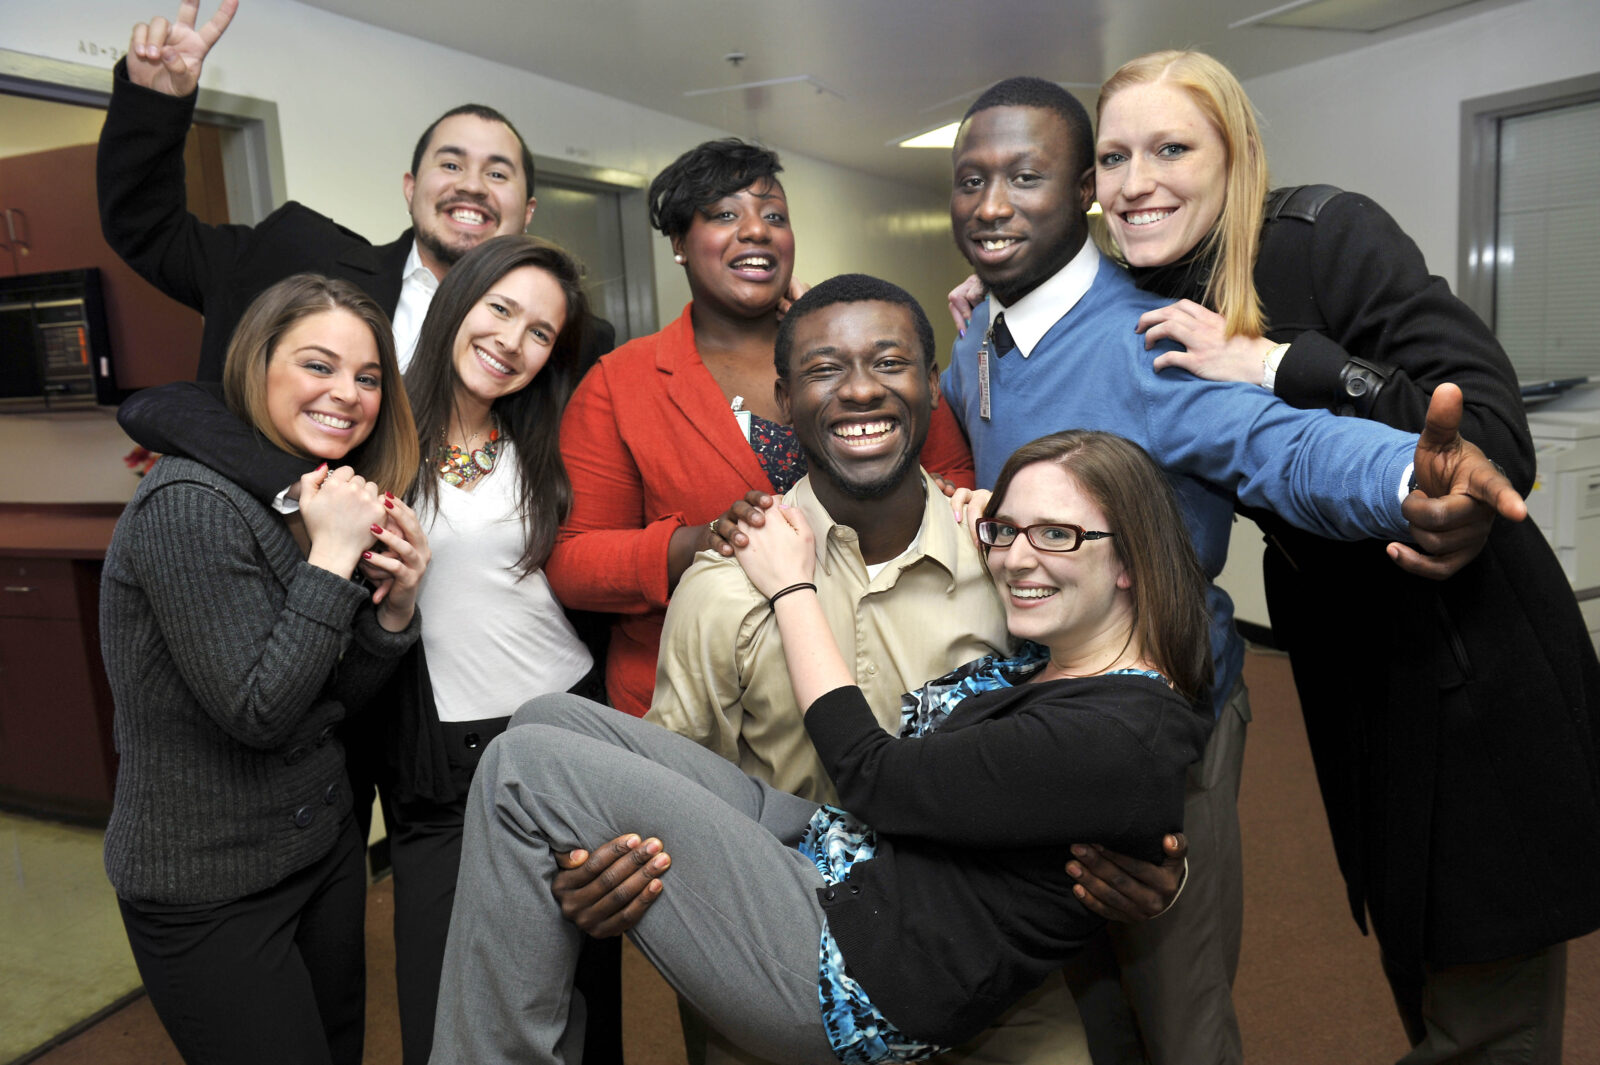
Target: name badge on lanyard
(983, 378)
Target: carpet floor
(1309, 990)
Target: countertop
(57, 530)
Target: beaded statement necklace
(460, 468)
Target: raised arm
(140, 173)
(780, 558)
(1342, 478)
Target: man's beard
(442, 252)
(864, 490)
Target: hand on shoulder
(780, 552)
(1208, 350)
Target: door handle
(20, 245)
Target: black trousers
(425, 849)
(274, 977)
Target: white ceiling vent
(1354, 16)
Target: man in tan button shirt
(906, 593)
(905, 590)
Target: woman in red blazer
(666, 432)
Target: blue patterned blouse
(835, 841)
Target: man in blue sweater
(1054, 348)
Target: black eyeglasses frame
(986, 528)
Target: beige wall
(1386, 120)
(39, 126)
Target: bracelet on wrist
(1182, 883)
(1269, 366)
(781, 592)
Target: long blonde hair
(389, 456)
(1236, 237)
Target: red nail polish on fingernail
(366, 554)
(377, 529)
(389, 494)
(389, 503)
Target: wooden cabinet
(56, 753)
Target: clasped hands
(352, 525)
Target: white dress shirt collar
(1042, 308)
(417, 286)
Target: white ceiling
(897, 66)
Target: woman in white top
(494, 365)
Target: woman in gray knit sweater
(236, 640)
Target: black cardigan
(966, 904)
(1453, 724)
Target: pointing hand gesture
(1460, 494)
(166, 56)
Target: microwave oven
(55, 352)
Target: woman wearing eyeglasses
(904, 922)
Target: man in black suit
(471, 179)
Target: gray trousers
(735, 931)
(1177, 970)
(1504, 1012)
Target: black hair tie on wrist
(781, 592)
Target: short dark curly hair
(488, 114)
(1047, 95)
(704, 174)
(850, 288)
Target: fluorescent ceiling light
(1357, 16)
(942, 137)
(767, 83)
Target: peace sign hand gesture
(167, 56)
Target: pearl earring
(679, 259)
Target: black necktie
(1001, 337)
